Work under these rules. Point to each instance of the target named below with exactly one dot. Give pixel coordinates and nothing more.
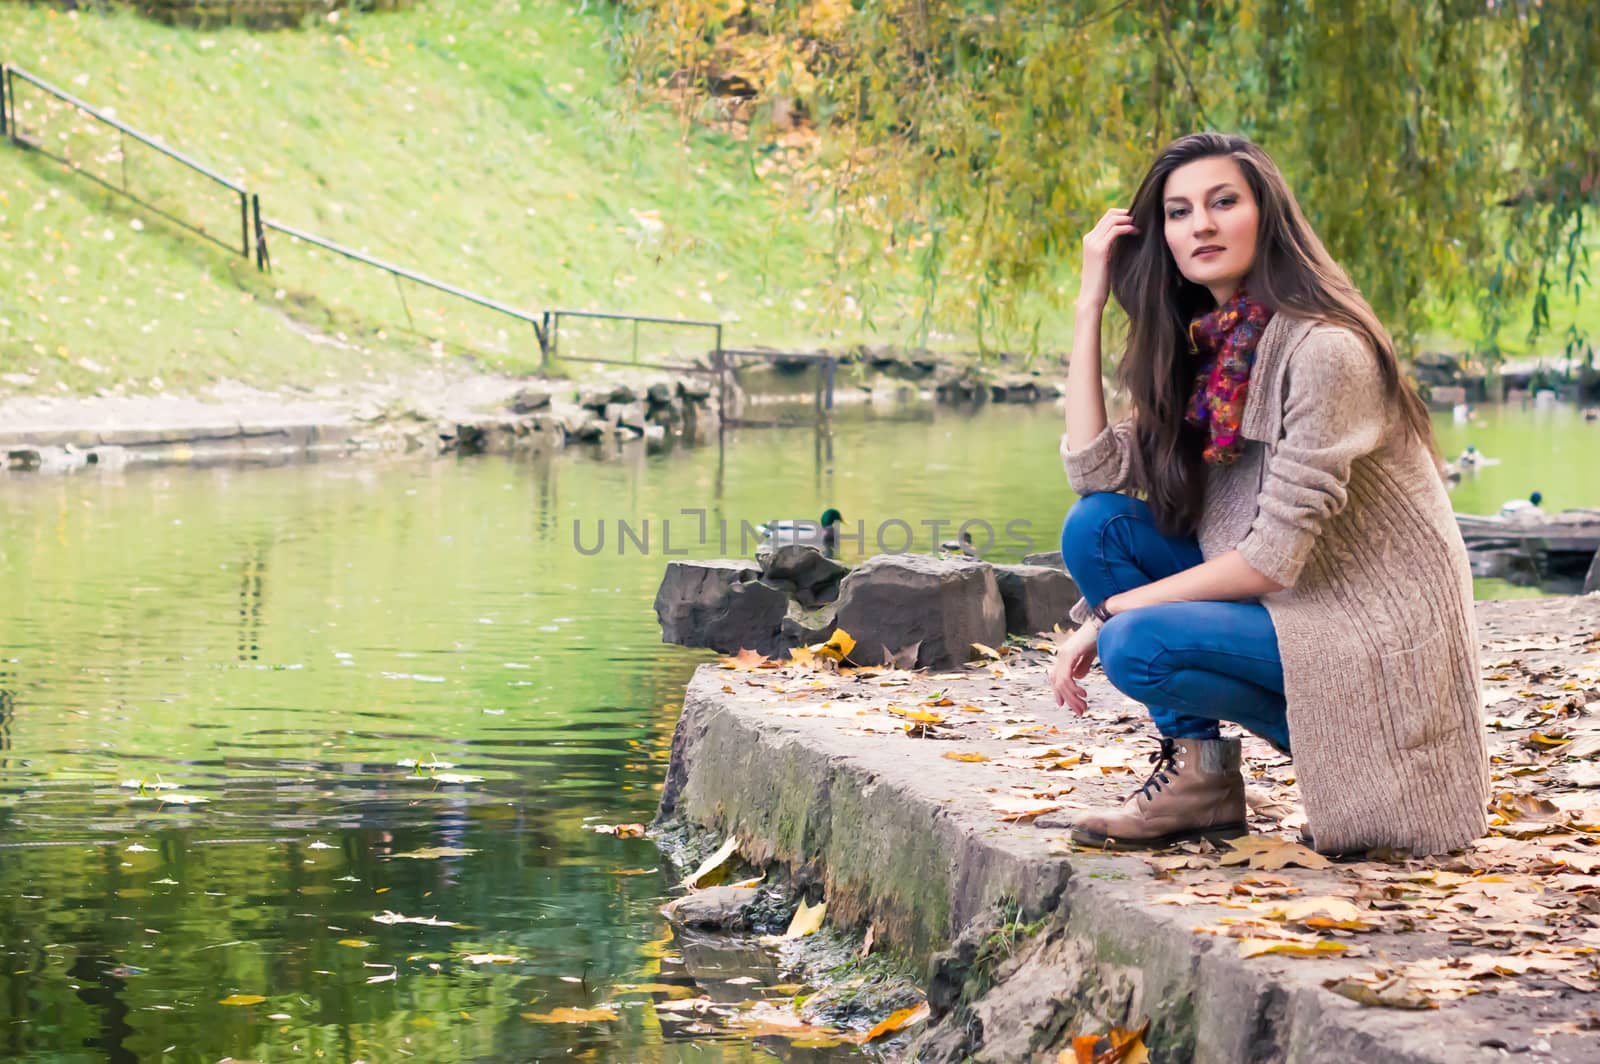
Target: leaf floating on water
(621, 831)
(898, 1021)
(157, 784)
(630, 871)
(707, 874)
(491, 958)
(433, 853)
(354, 943)
(387, 917)
(184, 799)
(242, 999)
(600, 1015)
(418, 763)
(452, 777)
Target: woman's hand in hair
(1073, 658)
(1094, 287)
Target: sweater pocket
(1416, 684)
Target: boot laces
(1166, 770)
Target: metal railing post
(833, 364)
(5, 101)
(263, 262)
(244, 224)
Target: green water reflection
(279, 641)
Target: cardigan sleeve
(1335, 411)
(1105, 463)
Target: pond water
(283, 642)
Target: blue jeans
(1192, 663)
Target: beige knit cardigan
(1335, 500)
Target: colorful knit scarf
(1226, 340)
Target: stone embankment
(429, 414)
(931, 809)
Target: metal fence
(53, 122)
(39, 116)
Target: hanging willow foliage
(1446, 152)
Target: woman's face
(1211, 219)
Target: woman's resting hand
(1074, 657)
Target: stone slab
(912, 843)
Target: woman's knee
(1083, 532)
(1124, 648)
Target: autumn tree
(1447, 152)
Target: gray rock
(1014, 389)
(717, 908)
(660, 393)
(629, 414)
(721, 604)
(670, 414)
(1591, 582)
(805, 625)
(697, 388)
(654, 433)
(592, 428)
(594, 398)
(811, 576)
(1036, 597)
(529, 400)
(1049, 558)
(945, 605)
(621, 393)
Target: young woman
(1267, 539)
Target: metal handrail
(410, 275)
(129, 130)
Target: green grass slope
(480, 142)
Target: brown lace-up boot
(1196, 791)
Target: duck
(958, 548)
(1523, 510)
(1592, 413)
(822, 534)
(1472, 458)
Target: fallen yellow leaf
(918, 715)
(807, 919)
(837, 648)
(973, 757)
(899, 1020)
(1255, 947)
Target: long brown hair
(1292, 272)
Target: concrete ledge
(812, 773)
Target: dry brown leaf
(1017, 809)
(747, 660)
(1270, 853)
(1391, 993)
